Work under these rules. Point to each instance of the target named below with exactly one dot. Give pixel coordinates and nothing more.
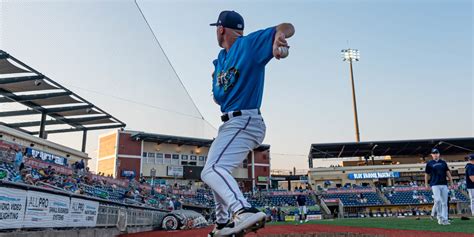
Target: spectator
(170, 204)
(18, 159)
(29, 179)
(79, 191)
(177, 204)
(142, 180)
(128, 194)
(21, 176)
(81, 165)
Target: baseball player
(237, 86)
(436, 171)
(434, 210)
(470, 180)
(301, 202)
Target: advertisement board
(175, 171)
(46, 210)
(83, 213)
(12, 208)
(373, 175)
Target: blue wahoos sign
(374, 175)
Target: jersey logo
(227, 79)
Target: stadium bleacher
(354, 196)
(417, 195)
(263, 200)
(80, 181)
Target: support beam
(84, 140)
(55, 122)
(18, 113)
(42, 126)
(68, 108)
(20, 98)
(20, 79)
(47, 111)
(80, 129)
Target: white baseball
(283, 51)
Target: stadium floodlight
(350, 55)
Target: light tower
(350, 55)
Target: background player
(301, 202)
(470, 180)
(237, 87)
(437, 170)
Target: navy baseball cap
(470, 157)
(230, 19)
(434, 151)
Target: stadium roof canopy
(23, 85)
(199, 142)
(446, 146)
(160, 138)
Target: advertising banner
(175, 171)
(374, 175)
(46, 210)
(12, 208)
(83, 213)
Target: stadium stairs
(383, 197)
(324, 208)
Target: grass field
(425, 224)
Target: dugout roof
(422, 147)
(55, 104)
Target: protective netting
(105, 52)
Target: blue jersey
(238, 78)
(437, 171)
(469, 172)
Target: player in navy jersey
(436, 174)
(470, 180)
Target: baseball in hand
(283, 51)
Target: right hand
(280, 41)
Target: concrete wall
(106, 165)
(107, 145)
(128, 164)
(89, 232)
(128, 146)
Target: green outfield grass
(425, 224)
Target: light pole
(350, 55)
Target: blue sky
(414, 79)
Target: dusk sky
(414, 79)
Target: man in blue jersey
(436, 172)
(470, 180)
(237, 86)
